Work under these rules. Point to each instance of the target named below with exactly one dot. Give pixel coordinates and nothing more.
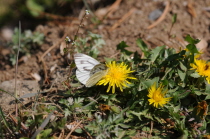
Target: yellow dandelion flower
(207, 69)
(208, 80)
(116, 76)
(201, 67)
(157, 96)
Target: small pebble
(155, 14)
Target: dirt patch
(137, 23)
(23, 87)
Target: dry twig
(67, 137)
(86, 131)
(61, 134)
(16, 70)
(113, 7)
(162, 17)
(114, 55)
(191, 9)
(57, 17)
(151, 129)
(16, 122)
(129, 13)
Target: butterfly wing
(84, 62)
(95, 78)
(84, 65)
(82, 76)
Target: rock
(23, 87)
(155, 14)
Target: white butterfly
(89, 71)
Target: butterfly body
(89, 71)
(97, 68)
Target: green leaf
(140, 43)
(207, 97)
(146, 129)
(156, 52)
(79, 130)
(192, 48)
(123, 125)
(198, 93)
(182, 66)
(189, 39)
(184, 94)
(122, 47)
(207, 88)
(105, 96)
(143, 113)
(115, 109)
(37, 37)
(40, 129)
(176, 109)
(120, 134)
(38, 136)
(136, 58)
(63, 101)
(109, 59)
(175, 97)
(45, 133)
(170, 52)
(131, 132)
(184, 135)
(75, 37)
(34, 8)
(149, 83)
(174, 18)
(182, 75)
(67, 112)
(195, 75)
(112, 96)
(3, 119)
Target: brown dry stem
(161, 18)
